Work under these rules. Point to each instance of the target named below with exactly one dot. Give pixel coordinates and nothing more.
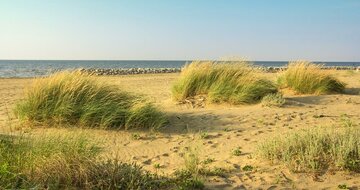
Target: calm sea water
(31, 68)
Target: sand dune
(214, 131)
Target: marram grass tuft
(234, 82)
(307, 78)
(75, 98)
(68, 161)
(315, 149)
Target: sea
(34, 68)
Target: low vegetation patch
(237, 151)
(308, 78)
(74, 161)
(75, 98)
(216, 171)
(316, 149)
(185, 180)
(247, 168)
(232, 82)
(190, 176)
(273, 100)
(66, 162)
(208, 161)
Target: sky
(271, 30)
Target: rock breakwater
(131, 71)
(134, 71)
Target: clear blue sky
(322, 30)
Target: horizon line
(166, 60)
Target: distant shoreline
(36, 68)
(142, 71)
(135, 71)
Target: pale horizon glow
(262, 30)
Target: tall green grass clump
(75, 98)
(308, 78)
(316, 149)
(66, 162)
(234, 82)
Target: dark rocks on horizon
(130, 71)
(134, 71)
(277, 69)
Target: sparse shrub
(189, 177)
(185, 180)
(192, 161)
(273, 100)
(237, 151)
(216, 171)
(208, 161)
(234, 82)
(343, 186)
(113, 174)
(157, 166)
(315, 149)
(75, 98)
(247, 168)
(308, 78)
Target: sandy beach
(214, 131)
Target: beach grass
(75, 161)
(67, 161)
(189, 177)
(145, 115)
(315, 149)
(307, 78)
(75, 98)
(234, 82)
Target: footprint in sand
(216, 135)
(257, 132)
(165, 155)
(147, 162)
(236, 166)
(179, 143)
(208, 142)
(239, 131)
(211, 143)
(174, 149)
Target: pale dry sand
(227, 127)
